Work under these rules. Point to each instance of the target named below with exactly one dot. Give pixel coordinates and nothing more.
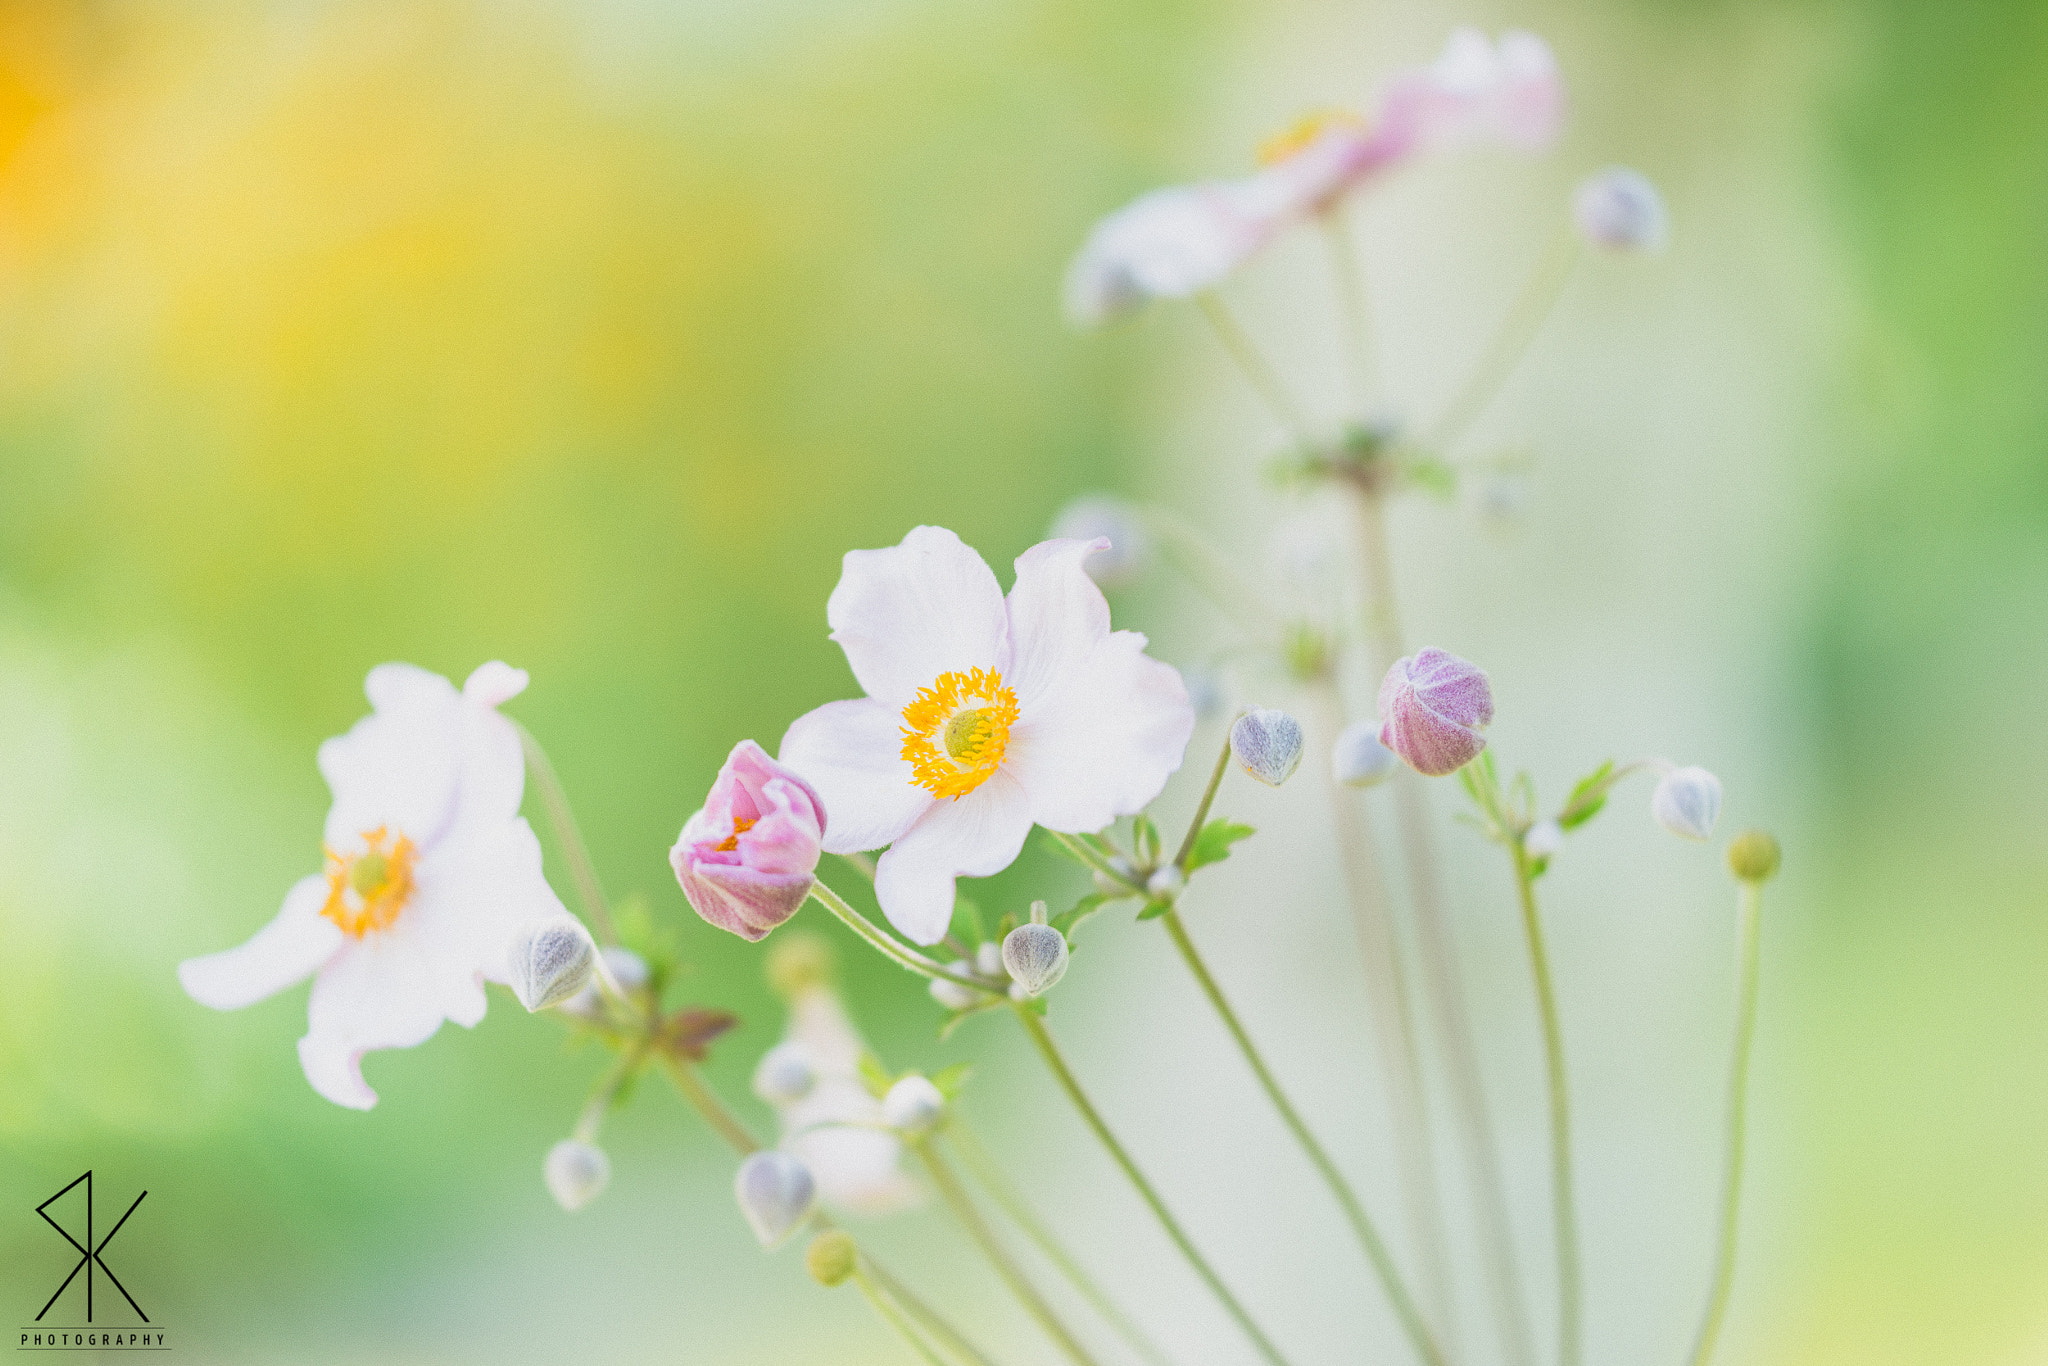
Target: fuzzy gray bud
(1358, 759)
(913, 1106)
(784, 1075)
(1544, 840)
(1687, 802)
(550, 961)
(1036, 956)
(1267, 744)
(576, 1172)
(776, 1194)
(1620, 210)
(1166, 883)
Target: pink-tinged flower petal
(1170, 244)
(381, 991)
(1432, 707)
(287, 950)
(400, 766)
(908, 613)
(851, 754)
(1475, 92)
(746, 860)
(473, 896)
(1103, 743)
(494, 684)
(977, 835)
(1057, 616)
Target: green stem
(959, 1347)
(1049, 1050)
(1747, 954)
(900, 954)
(1012, 1275)
(570, 839)
(1000, 1189)
(1350, 273)
(1187, 844)
(1563, 1207)
(895, 1318)
(600, 1102)
(1252, 362)
(1445, 992)
(1505, 351)
(710, 1105)
(1369, 1238)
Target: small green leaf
(1432, 476)
(1587, 798)
(1213, 844)
(1088, 905)
(1154, 909)
(967, 922)
(1145, 839)
(952, 1080)
(874, 1076)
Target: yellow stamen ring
(366, 892)
(955, 731)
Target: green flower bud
(831, 1258)
(1753, 856)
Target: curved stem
(1519, 328)
(1747, 955)
(1049, 1050)
(946, 1334)
(900, 954)
(570, 839)
(1012, 1275)
(710, 1105)
(1375, 1247)
(600, 1102)
(1350, 272)
(1187, 843)
(1444, 981)
(1563, 1207)
(1011, 1201)
(1261, 375)
(894, 1317)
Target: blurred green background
(589, 336)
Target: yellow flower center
(955, 731)
(366, 892)
(1303, 131)
(740, 826)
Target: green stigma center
(367, 874)
(967, 733)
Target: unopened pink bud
(747, 860)
(1432, 707)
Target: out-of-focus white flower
(1544, 840)
(576, 1173)
(784, 1075)
(1687, 802)
(983, 716)
(430, 872)
(1110, 519)
(1182, 240)
(776, 1194)
(1620, 210)
(914, 1105)
(1358, 759)
(836, 1126)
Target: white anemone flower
(430, 873)
(835, 1128)
(983, 716)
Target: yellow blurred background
(589, 336)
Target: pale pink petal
(1103, 743)
(493, 766)
(1057, 616)
(399, 766)
(1170, 244)
(494, 684)
(910, 612)
(851, 753)
(381, 991)
(472, 897)
(287, 950)
(975, 836)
